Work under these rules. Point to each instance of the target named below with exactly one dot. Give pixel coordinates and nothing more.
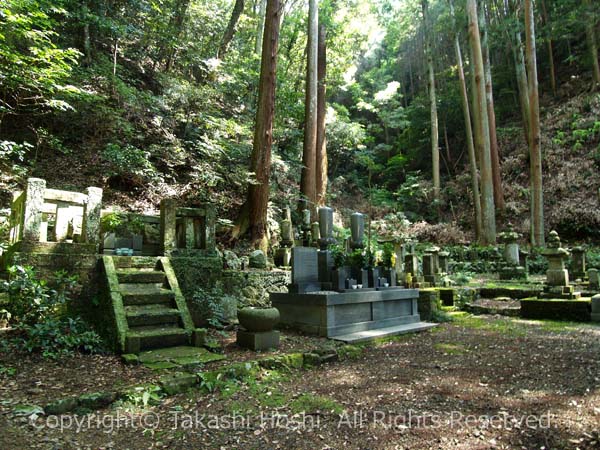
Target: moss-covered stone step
(148, 338)
(128, 262)
(145, 294)
(137, 275)
(147, 315)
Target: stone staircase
(149, 310)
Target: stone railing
(49, 215)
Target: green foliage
(144, 396)
(130, 161)
(112, 222)
(38, 314)
(209, 304)
(7, 371)
(34, 68)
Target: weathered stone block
(178, 383)
(62, 406)
(257, 341)
(596, 308)
(97, 400)
(258, 260)
(429, 300)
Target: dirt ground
(476, 383)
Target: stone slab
(258, 341)
(331, 313)
(305, 265)
(363, 336)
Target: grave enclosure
(349, 304)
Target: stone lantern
(512, 268)
(557, 277)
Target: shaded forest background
(157, 98)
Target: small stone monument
(578, 262)
(315, 234)
(325, 230)
(443, 261)
(512, 268)
(306, 228)
(557, 277)
(431, 272)
(283, 255)
(411, 265)
(357, 228)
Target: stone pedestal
(257, 341)
(596, 308)
(594, 279)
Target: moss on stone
(350, 352)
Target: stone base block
(513, 273)
(560, 292)
(556, 309)
(557, 277)
(596, 308)
(433, 280)
(303, 288)
(257, 341)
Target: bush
(38, 315)
(209, 306)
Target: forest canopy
(150, 99)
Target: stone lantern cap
(554, 246)
(444, 254)
(432, 249)
(510, 236)
(578, 249)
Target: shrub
(38, 313)
(209, 304)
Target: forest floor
(475, 383)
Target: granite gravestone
(305, 270)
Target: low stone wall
(194, 272)
(74, 259)
(252, 287)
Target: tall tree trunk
(435, 151)
(175, 27)
(546, 21)
(238, 9)
(590, 31)
(489, 97)
(261, 24)
(535, 153)
(308, 183)
(482, 130)
(522, 83)
(87, 41)
(321, 156)
(468, 129)
(258, 194)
